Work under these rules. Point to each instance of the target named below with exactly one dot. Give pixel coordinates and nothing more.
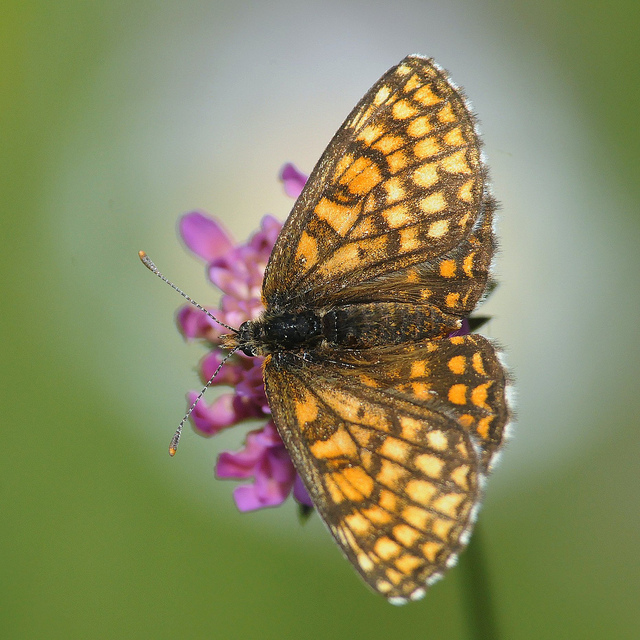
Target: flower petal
(300, 492)
(262, 242)
(248, 497)
(231, 372)
(230, 282)
(292, 180)
(210, 419)
(204, 236)
(195, 324)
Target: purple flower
(264, 459)
(237, 270)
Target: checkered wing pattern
(393, 444)
(401, 184)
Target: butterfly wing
(402, 183)
(392, 453)
(453, 282)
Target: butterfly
(392, 417)
(392, 421)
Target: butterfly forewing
(401, 183)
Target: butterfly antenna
(147, 262)
(173, 445)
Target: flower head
(237, 270)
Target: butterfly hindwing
(454, 282)
(393, 471)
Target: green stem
(476, 585)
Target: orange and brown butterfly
(392, 419)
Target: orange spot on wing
(478, 365)
(420, 491)
(439, 228)
(405, 534)
(421, 390)
(340, 444)
(456, 163)
(458, 394)
(419, 127)
(454, 138)
(442, 528)
(407, 563)
(446, 114)
(370, 133)
(403, 109)
(358, 523)
(484, 424)
(339, 217)
(397, 161)
(465, 192)
(448, 504)
(437, 440)
(388, 500)
(460, 476)
(452, 299)
(419, 369)
(431, 550)
(416, 517)
(479, 395)
(395, 449)
(426, 148)
(467, 264)
(430, 465)
(434, 203)
(426, 175)
(365, 181)
(397, 216)
(395, 190)
(386, 548)
(413, 82)
(388, 144)
(409, 240)
(466, 420)
(307, 410)
(448, 268)
(411, 428)
(391, 474)
(377, 515)
(383, 93)
(425, 96)
(343, 164)
(307, 250)
(354, 483)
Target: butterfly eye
(246, 338)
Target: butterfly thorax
(352, 326)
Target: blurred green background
(117, 117)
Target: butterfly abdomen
(360, 326)
(353, 326)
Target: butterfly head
(247, 338)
